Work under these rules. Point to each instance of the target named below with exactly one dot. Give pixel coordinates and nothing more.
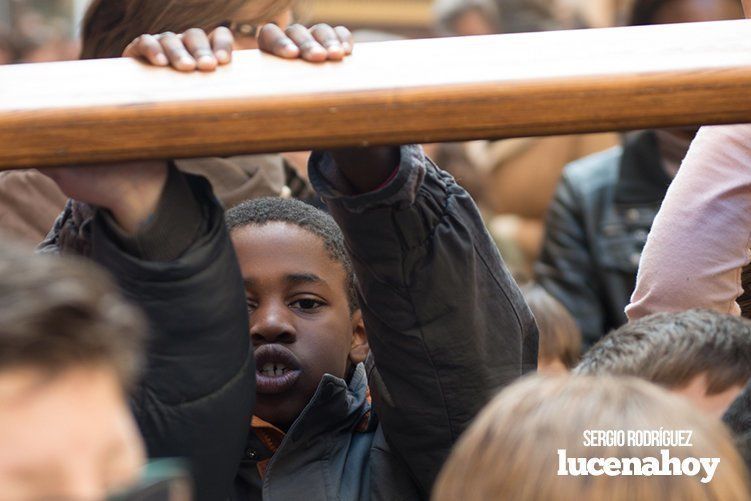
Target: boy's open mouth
(277, 369)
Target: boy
(445, 321)
(446, 324)
(701, 354)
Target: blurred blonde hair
(510, 451)
(560, 337)
(110, 25)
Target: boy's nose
(271, 324)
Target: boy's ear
(360, 348)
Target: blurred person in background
(605, 204)
(467, 17)
(513, 180)
(42, 34)
(70, 347)
(528, 16)
(702, 355)
(513, 449)
(560, 337)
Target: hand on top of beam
(195, 50)
(364, 168)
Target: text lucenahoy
(634, 466)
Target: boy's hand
(130, 191)
(194, 49)
(366, 169)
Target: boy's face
(67, 436)
(300, 322)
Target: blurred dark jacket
(195, 396)
(597, 226)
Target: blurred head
(302, 302)
(466, 18)
(700, 354)
(511, 450)
(560, 337)
(110, 25)
(69, 349)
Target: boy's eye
(307, 304)
(252, 305)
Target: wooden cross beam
(386, 93)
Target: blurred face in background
(472, 22)
(67, 435)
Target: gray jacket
(447, 328)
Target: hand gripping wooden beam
(386, 93)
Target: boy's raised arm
(162, 235)
(446, 323)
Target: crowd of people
(528, 319)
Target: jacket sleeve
(195, 396)
(565, 268)
(446, 323)
(699, 241)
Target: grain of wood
(386, 93)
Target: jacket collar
(335, 406)
(642, 178)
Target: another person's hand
(189, 51)
(317, 44)
(194, 49)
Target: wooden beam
(395, 92)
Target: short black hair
(262, 211)
(671, 349)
